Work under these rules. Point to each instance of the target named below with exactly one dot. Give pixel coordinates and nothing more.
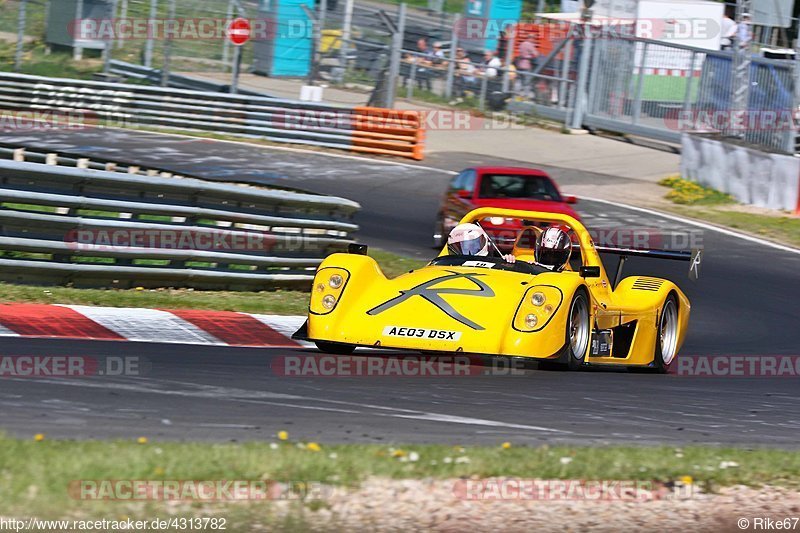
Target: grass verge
(703, 203)
(36, 475)
(266, 302)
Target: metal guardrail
(177, 81)
(359, 129)
(86, 227)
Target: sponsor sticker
(421, 333)
(479, 264)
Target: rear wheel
(578, 330)
(667, 338)
(335, 347)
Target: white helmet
(468, 239)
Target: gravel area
(434, 505)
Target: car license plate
(421, 333)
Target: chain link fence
(376, 51)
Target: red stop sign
(239, 31)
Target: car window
(518, 186)
(465, 181)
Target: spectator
(422, 60)
(743, 30)
(526, 62)
(728, 29)
(502, 42)
(465, 79)
(438, 54)
(490, 64)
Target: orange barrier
(395, 132)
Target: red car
(507, 187)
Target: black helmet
(553, 248)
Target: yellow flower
(686, 480)
(39, 437)
(282, 435)
(313, 446)
(139, 288)
(158, 471)
(506, 445)
(142, 440)
(398, 453)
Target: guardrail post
(51, 159)
(397, 31)
(412, 79)
(19, 155)
(148, 46)
(637, 103)
(482, 98)
(168, 50)
(451, 65)
(20, 35)
(581, 94)
(77, 49)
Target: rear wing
(694, 258)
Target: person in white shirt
(491, 64)
(728, 29)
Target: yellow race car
(461, 304)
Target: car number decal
(421, 333)
(479, 264)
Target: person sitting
(471, 239)
(553, 249)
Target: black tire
(667, 336)
(335, 347)
(578, 331)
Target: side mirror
(590, 272)
(464, 194)
(570, 199)
(358, 249)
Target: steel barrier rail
(177, 81)
(89, 227)
(359, 129)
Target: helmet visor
(468, 247)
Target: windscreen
(518, 186)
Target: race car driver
(471, 239)
(553, 249)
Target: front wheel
(335, 347)
(578, 330)
(667, 338)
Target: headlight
(497, 221)
(320, 287)
(531, 320)
(335, 281)
(538, 299)
(328, 302)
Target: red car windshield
(518, 187)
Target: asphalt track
(745, 304)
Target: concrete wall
(751, 176)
